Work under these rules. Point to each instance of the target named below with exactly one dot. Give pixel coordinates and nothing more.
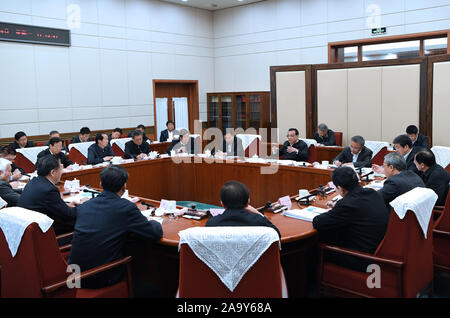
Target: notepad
(307, 214)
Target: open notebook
(307, 214)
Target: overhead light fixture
(184, 0)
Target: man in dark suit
(185, 144)
(358, 221)
(42, 195)
(10, 153)
(136, 148)
(117, 132)
(7, 191)
(356, 154)
(101, 151)
(21, 141)
(231, 146)
(55, 134)
(235, 198)
(324, 136)
(419, 141)
(294, 148)
(140, 128)
(102, 227)
(399, 179)
(85, 135)
(433, 175)
(54, 148)
(170, 133)
(403, 146)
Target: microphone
(367, 175)
(147, 204)
(92, 192)
(83, 163)
(267, 206)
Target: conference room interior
(221, 149)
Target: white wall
(250, 39)
(104, 80)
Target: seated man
(419, 141)
(294, 148)
(55, 134)
(136, 148)
(41, 195)
(10, 153)
(185, 144)
(399, 179)
(117, 132)
(54, 148)
(235, 198)
(357, 154)
(358, 221)
(101, 151)
(21, 141)
(8, 191)
(102, 227)
(140, 128)
(324, 136)
(168, 134)
(231, 146)
(85, 135)
(433, 175)
(403, 146)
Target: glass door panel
(241, 111)
(255, 111)
(226, 105)
(213, 111)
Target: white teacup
(325, 163)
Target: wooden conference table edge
(170, 234)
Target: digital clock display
(34, 34)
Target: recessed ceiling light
(184, 0)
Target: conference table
(200, 180)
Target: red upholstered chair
(338, 137)
(22, 162)
(252, 149)
(76, 156)
(448, 168)
(117, 150)
(39, 143)
(312, 154)
(404, 256)
(379, 157)
(441, 237)
(265, 279)
(39, 269)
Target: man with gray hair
(324, 136)
(7, 190)
(356, 154)
(399, 179)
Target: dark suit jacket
(421, 143)
(101, 230)
(364, 157)
(8, 194)
(236, 148)
(301, 155)
(240, 217)
(16, 145)
(64, 160)
(437, 179)
(76, 140)
(42, 196)
(165, 134)
(63, 146)
(410, 165)
(96, 154)
(328, 140)
(357, 222)
(191, 147)
(399, 184)
(132, 150)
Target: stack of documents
(376, 185)
(307, 214)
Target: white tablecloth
(229, 251)
(14, 221)
(442, 155)
(31, 153)
(376, 146)
(420, 201)
(82, 147)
